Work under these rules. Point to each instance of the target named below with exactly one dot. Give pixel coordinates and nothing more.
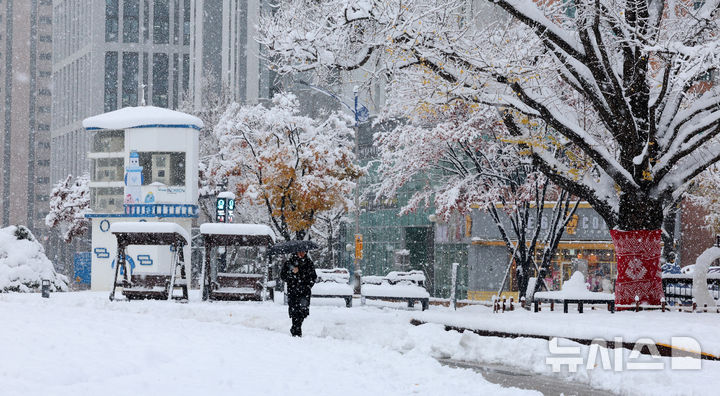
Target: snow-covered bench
(333, 283)
(217, 285)
(574, 291)
(145, 285)
(678, 286)
(396, 286)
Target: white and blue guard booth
(144, 168)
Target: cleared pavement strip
(512, 377)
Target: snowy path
(81, 344)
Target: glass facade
(130, 79)
(131, 21)
(111, 78)
(111, 20)
(160, 80)
(161, 22)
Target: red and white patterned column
(638, 266)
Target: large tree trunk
(637, 250)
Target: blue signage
(82, 265)
(101, 253)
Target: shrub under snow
(23, 264)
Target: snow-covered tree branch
(69, 202)
(649, 120)
(292, 166)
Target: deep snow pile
(23, 264)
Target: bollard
(503, 306)
(522, 302)
(694, 306)
(552, 305)
(662, 304)
(512, 308)
(45, 288)
(637, 303)
(539, 306)
(704, 307)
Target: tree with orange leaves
(291, 166)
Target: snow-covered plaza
(82, 344)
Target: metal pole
(453, 290)
(356, 268)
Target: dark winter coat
(299, 285)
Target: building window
(165, 168)
(161, 22)
(44, 92)
(43, 162)
(46, 39)
(108, 169)
(108, 141)
(45, 74)
(131, 21)
(160, 80)
(43, 109)
(186, 23)
(106, 199)
(130, 79)
(175, 76)
(186, 72)
(43, 127)
(45, 145)
(46, 56)
(145, 74)
(111, 77)
(111, 20)
(43, 180)
(42, 198)
(146, 21)
(45, 20)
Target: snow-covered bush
(23, 264)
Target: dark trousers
(298, 310)
(296, 328)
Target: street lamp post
(356, 269)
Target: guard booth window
(166, 168)
(108, 141)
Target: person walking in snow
(299, 274)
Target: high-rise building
(110, 54)
(224, 53)
(25, 71)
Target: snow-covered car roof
(149, 227)
(142, 117)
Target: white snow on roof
(149, 226)
(236, 229)
(139, 117)
(226, 194)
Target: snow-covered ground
(82, 344)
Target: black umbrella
(292, 247)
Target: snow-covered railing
(161, 210)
